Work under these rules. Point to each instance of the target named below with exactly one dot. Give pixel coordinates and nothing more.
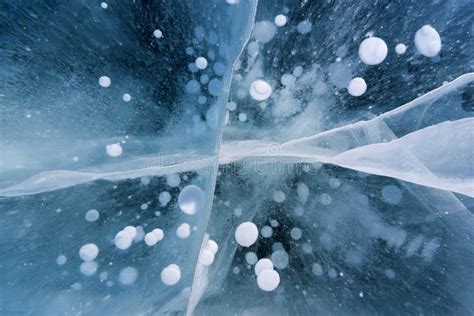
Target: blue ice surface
(363, 204)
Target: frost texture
(137, 137)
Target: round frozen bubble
(264, 31)
(260, 90)
(206, 257)
(193, 86)
(132, 231)
(232, 2)
(263, 264)
(61, 260)
(296, 233)
(231, 106)
(171, 274)
(251, 258)
(89, 252)
(145, 180)
(201, 63)
(278, 196)
(183, 230)
(193, 68)
(92, 215)
(303, 192)
(391, 194)
(268, 280)
(373, 50)
(164, 198)
(400, 49)
(246, 234)
(204, 79)
(151, 239)
(191, 199)
(105, 82)
(317, 269)
(280, 259)
(104, 5)
(219, 68)
(325, 199)
(173, 180)
(266, 231)
(357, 87)
(158, 33)
(304, 27)
(128, 275)
(288, 80)
(159, 233)
(428, 41)
(114, 150)
(334, 183)
(242, 117)
(88, 268)
(215, 87)
(280, 20)
(212, 246)
(297, 71)
(126, 97)
(253, 48)
(123, 240)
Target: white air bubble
(212, 246)
(114, 150)
(428, 41)
(164, 198)
(280, 259)
(242, 117)
(268, 280)
(61, 260)
(173, 180)
(159, 233)
(88, 268)
(201, 63)
(391, 194)
(104, 5)
(191, 199)
(89, 252)
(206, 257)
(123, 240)
(266, 231)
(260, 90)
(92, 215)
(317, 269)
(158, 33)
(296, 233)
(325, 199)
(357, 87)
(105, 82)
(303, 192)
(264, 31)
(151, 239)
(304, 27)
(246, 234)
(128, 275)
(183, 230)
(193, 86)
(400, 49)
(280, 20)
(126, 97)
(372, 51)
(171, 274)
(278, 196)
(263, 264)
(251, 258)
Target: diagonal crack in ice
(359, 154)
